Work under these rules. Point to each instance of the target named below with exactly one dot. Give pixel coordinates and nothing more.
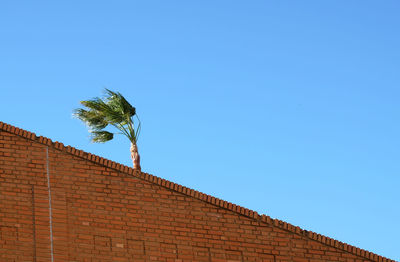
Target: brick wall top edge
(192, 193)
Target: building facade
(58, 203)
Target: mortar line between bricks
(50, 209)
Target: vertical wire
(50, 210)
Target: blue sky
(290, 108)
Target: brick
(105, 211)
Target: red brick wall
(102, 211)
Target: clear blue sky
(290, 108)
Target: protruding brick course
(105, 211)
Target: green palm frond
(101, 136)
(94, 120)
(120, 104)
(94, 104)
(112, 110)
(110, 113)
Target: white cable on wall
(50, 210)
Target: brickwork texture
(58, 203)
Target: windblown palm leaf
(102, 136)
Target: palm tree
(112, 110)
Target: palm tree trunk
(135, 157)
